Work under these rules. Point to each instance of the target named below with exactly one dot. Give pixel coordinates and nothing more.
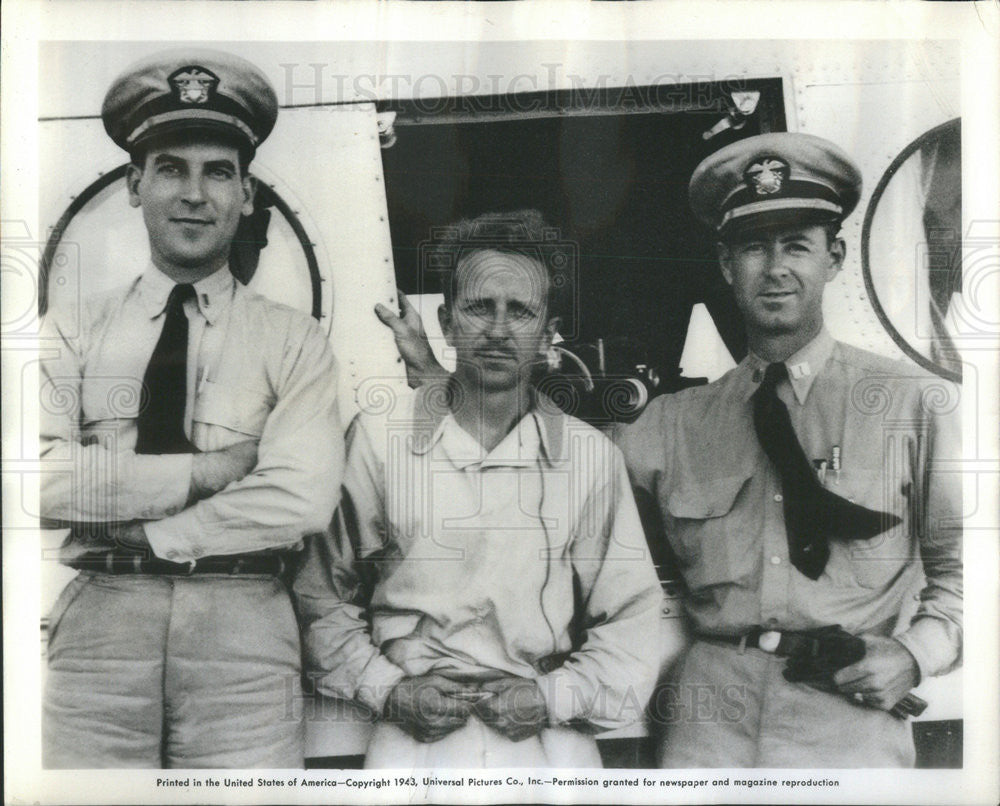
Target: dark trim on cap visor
(791, 189)
(166, 109)
(190, 129)
(773, 205)
(194, 118)
(771, 219)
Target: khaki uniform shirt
(256, 370)
(897, 433)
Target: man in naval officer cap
(802, 493)
(188, 497)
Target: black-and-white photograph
(502, 421)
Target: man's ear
(551, 328)
(838, 250)
(249, 192)
(725, 255)
(444, 319)
(132, 176)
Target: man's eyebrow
(794, 236)
(471, 299)
(223, 163)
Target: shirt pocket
(708, 529)
(876, 561)
(240, 410)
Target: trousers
(172, 672)
(724, 708)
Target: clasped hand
(429, 707)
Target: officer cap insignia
(193, 84)
(766, 176)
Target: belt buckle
(768, 641)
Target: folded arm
(90, 480)
(293, 487)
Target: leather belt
(126, 562)
(775, 642)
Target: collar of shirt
(539, 433)
(212, 292)
(803, 366)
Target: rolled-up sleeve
(334, 584)
(608, 680)
(293, 489)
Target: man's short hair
(521, 232)
(184, 137)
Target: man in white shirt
(485, 587)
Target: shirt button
(772, 622)
(171, 554)
(776, 560)
(779, 497)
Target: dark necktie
(813, 514)
(161, 416)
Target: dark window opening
(612, 177)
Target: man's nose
(498, 324)
(193, 191)
(775, 263)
